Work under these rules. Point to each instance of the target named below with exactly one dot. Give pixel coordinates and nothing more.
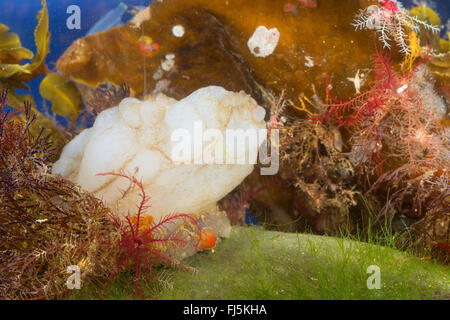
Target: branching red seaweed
(146, 242)
(398, 143)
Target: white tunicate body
(135, 138)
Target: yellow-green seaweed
(426, 14)
(65, 99)
(11, 49)
(15, 72)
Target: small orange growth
(439, 172)
(147, 46)
(145, 224)
(207, 238)
(155, 46)
(414, 46)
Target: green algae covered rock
(258, 264)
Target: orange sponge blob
(145, 224)
(207, 238)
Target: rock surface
(255, 264)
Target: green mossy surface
(258, 264)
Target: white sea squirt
(136, 137)
(263, 41)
